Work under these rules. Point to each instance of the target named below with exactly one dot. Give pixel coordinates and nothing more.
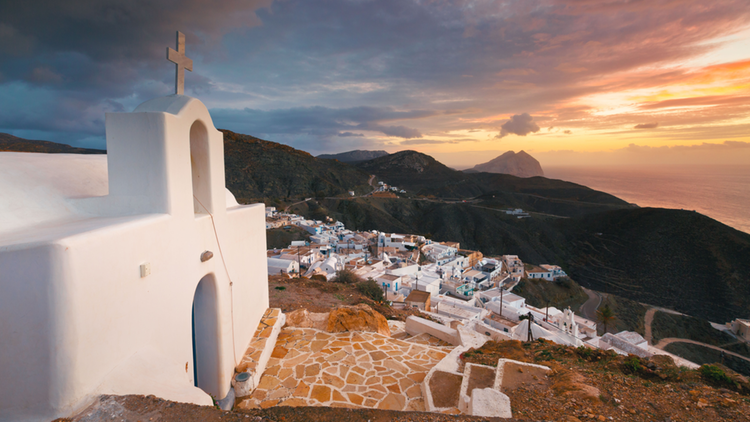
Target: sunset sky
(571, 82)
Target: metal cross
(178, 57)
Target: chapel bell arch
(200, 168)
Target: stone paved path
(353, 369)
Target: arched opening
(206, 337)
(201, 170)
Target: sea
(720, 192)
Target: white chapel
(131, 273)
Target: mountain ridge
(12, 143)
(354, 156)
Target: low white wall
(416, 325)
(494, 333)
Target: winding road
(665, 341)
(649, 319)
(588, 309)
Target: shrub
(632, 364)
(319, 277)
(715, 375)
(584, 352)
(371, 289)
(346, 277)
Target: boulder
(357, 318)
(489, 402)
(303, 319)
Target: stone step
(258, 353)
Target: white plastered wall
(78, 320)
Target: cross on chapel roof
(178, 58)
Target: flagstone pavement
(310, 367)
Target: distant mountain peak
(520, 164)
(354, 156)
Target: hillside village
(445, 282)
(444, 357)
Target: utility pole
(531, 321)
(502, 290)
(299, 264)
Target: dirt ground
(150, 408)
(609, 392)
(323, 296)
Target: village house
(456, 308)
(514, 266)
(741, 327)
(499, 322)
(556, 271)
(438, 253)
(427, 281)
(398, 241)
(278, 266)
(418, 299)
(539, 273)
(273, 223)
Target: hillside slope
(678, 259)
(423, 175)
(257, 169)
(353, 156)
(12, 143)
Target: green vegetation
(371, 289)
(560, 293)
(346, 277)
(715, 375)
(282, 237)
(605, 315)
(632, 364)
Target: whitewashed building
(131, 273)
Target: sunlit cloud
(341, 75)
(519, 124)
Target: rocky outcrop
(303, 319)
(521, 164)
(357, 318)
